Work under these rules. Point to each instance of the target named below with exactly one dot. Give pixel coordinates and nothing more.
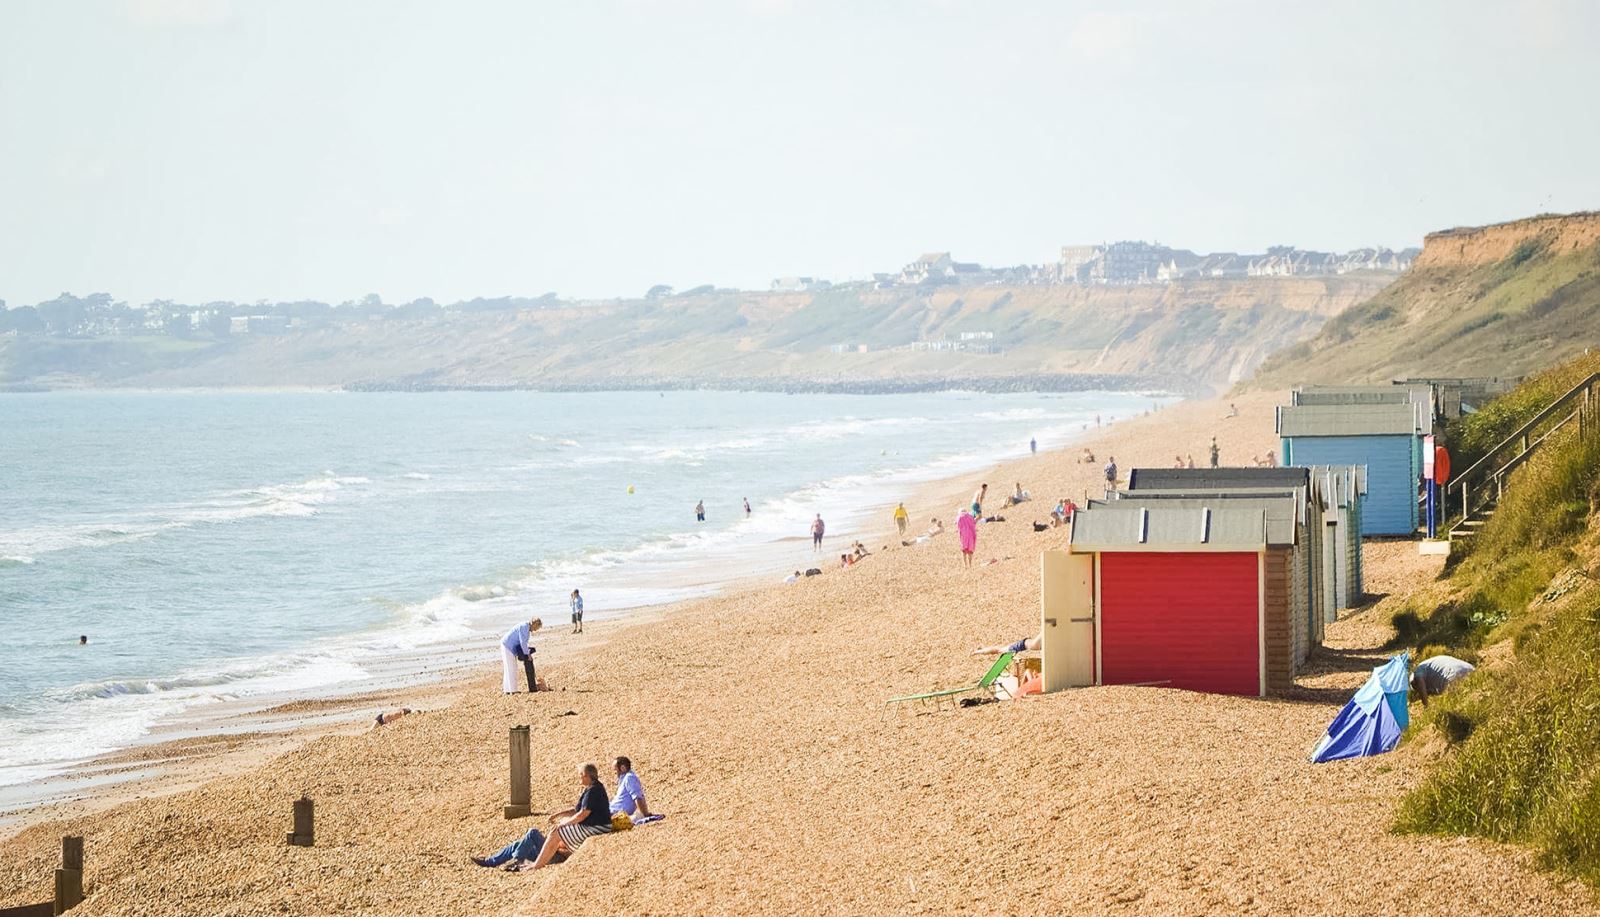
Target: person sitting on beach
(630, 792)
(1177, 461)
(793, 578)
(1436, 673)
(846, 560)
(860, 550)
(591, 817)
(515, 647)
(1063, 512)
(385, 719)
(1018, 496)
(1087, 457)
(936, 527)
(524, 849)
(1026, 644)
(1188, 460)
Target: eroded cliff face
(1471, 246)
(1499, 300)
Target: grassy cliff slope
(1523, 733)
(1489, 301)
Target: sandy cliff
(1473, 246)
(1499, 300)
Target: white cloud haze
(199, 149)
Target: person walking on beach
(977, 499)
(516, 647)
(967, 528)
(817, 528)
(747, 507)
(1033, 445)
(1111, 473)
(1215, 452)
(577, 612)
(901, 518)
(700, 511)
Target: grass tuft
(1525, 736)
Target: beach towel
(648, 820)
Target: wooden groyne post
(304, 833)
(69, 878)
(69, 885)
(519, 806)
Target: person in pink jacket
(967, 528)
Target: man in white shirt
(629, 798)
(516, 647)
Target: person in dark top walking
(591, 817)
(700, 511)
(1215, 452)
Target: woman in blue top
(589, 818)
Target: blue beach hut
(1371, 723)
(1385, 437)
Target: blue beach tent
(1373, 720)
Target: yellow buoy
(630, 488)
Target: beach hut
(1291, 514)
(1333, 496)
(1340, 492)
(1420, 394)
(1182, 596)
(1385, 437)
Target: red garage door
(1187, 619)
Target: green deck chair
(984, 683)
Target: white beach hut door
(1067, 626)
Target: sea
(223, 550)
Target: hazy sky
(205, 149)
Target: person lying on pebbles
(385, 719)
(1024, 645)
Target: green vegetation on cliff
(1496, 301)
(1523, 734)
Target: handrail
(1523, 430)
(1497, 473)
